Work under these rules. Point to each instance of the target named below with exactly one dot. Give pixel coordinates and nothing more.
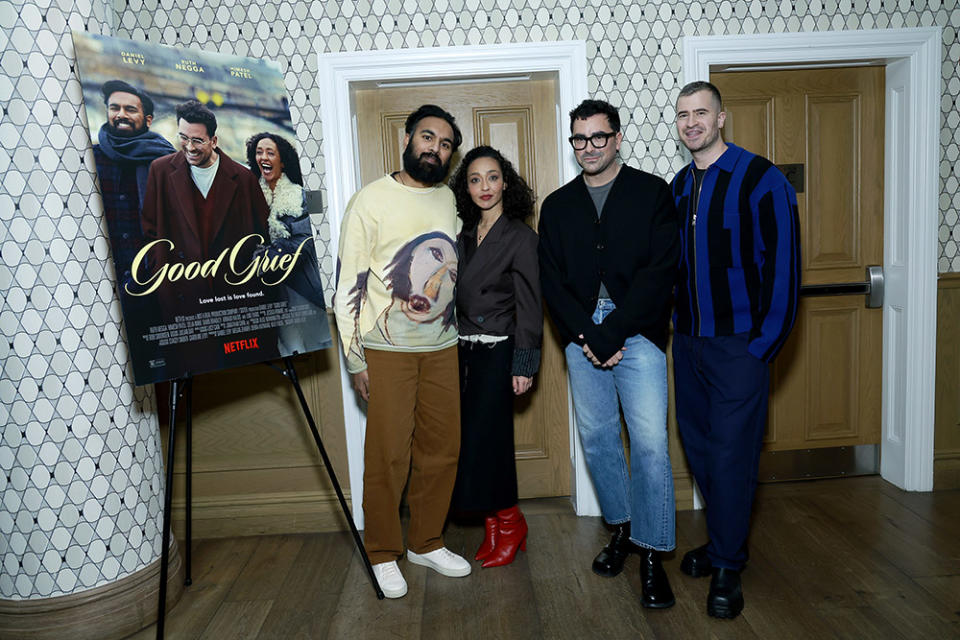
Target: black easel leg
(292, 376)
(167, 502)
(188, 400)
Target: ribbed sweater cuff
(526, 362)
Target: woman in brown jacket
(500, 319)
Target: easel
(184, 387)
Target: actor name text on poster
(133, 58)
(189, 65)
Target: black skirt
(487, 471)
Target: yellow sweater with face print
(397, 270)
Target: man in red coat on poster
(203, 209)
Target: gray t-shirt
(599, 196)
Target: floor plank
(892, 529)
(776, 605)
(946, 591)
(238, 620)
(306, 602)
(571, 599)
(489, 603)
(216, 565)
(360, 615)
(267, 569)
(879, 567)
(851, 558)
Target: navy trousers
(721, 396)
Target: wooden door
(519, 119)
(826, 383)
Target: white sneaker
(443, 561)
(390, 579)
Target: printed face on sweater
(423, 277)
(699, 120)
(433, 276)
(125, 115)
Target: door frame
(911, 213)
(336, 72)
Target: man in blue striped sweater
(735, 306)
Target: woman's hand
(521, 384)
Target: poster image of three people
(215, 259)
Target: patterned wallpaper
(80, 464)
(626, 41)
(79, 459)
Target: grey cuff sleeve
(526, 362)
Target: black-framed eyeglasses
(598, 140)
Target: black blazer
(498, 289)
(634, 246)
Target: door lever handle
(875, 278)
(871, 288)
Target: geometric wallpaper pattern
(633, 55)
(80, 468)
(80, 465)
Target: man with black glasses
(608, 249)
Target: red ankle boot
(511, 536)
(489, 538)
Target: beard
(125, 133)
(600, 168)
(423, 171)
(705, 144)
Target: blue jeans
(643, 495)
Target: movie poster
(203, 197)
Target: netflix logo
(240, 345)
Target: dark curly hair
(288, 156)
(518, 198)
(433, 111)
(111, 87)
(590, 108)
(195, 113)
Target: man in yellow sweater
(396, 273)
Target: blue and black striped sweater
(740, 251)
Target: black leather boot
(609, 562)
(696, 563)
(656, 588)
(725, 599)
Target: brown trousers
(413, 429)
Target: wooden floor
(852, 558)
